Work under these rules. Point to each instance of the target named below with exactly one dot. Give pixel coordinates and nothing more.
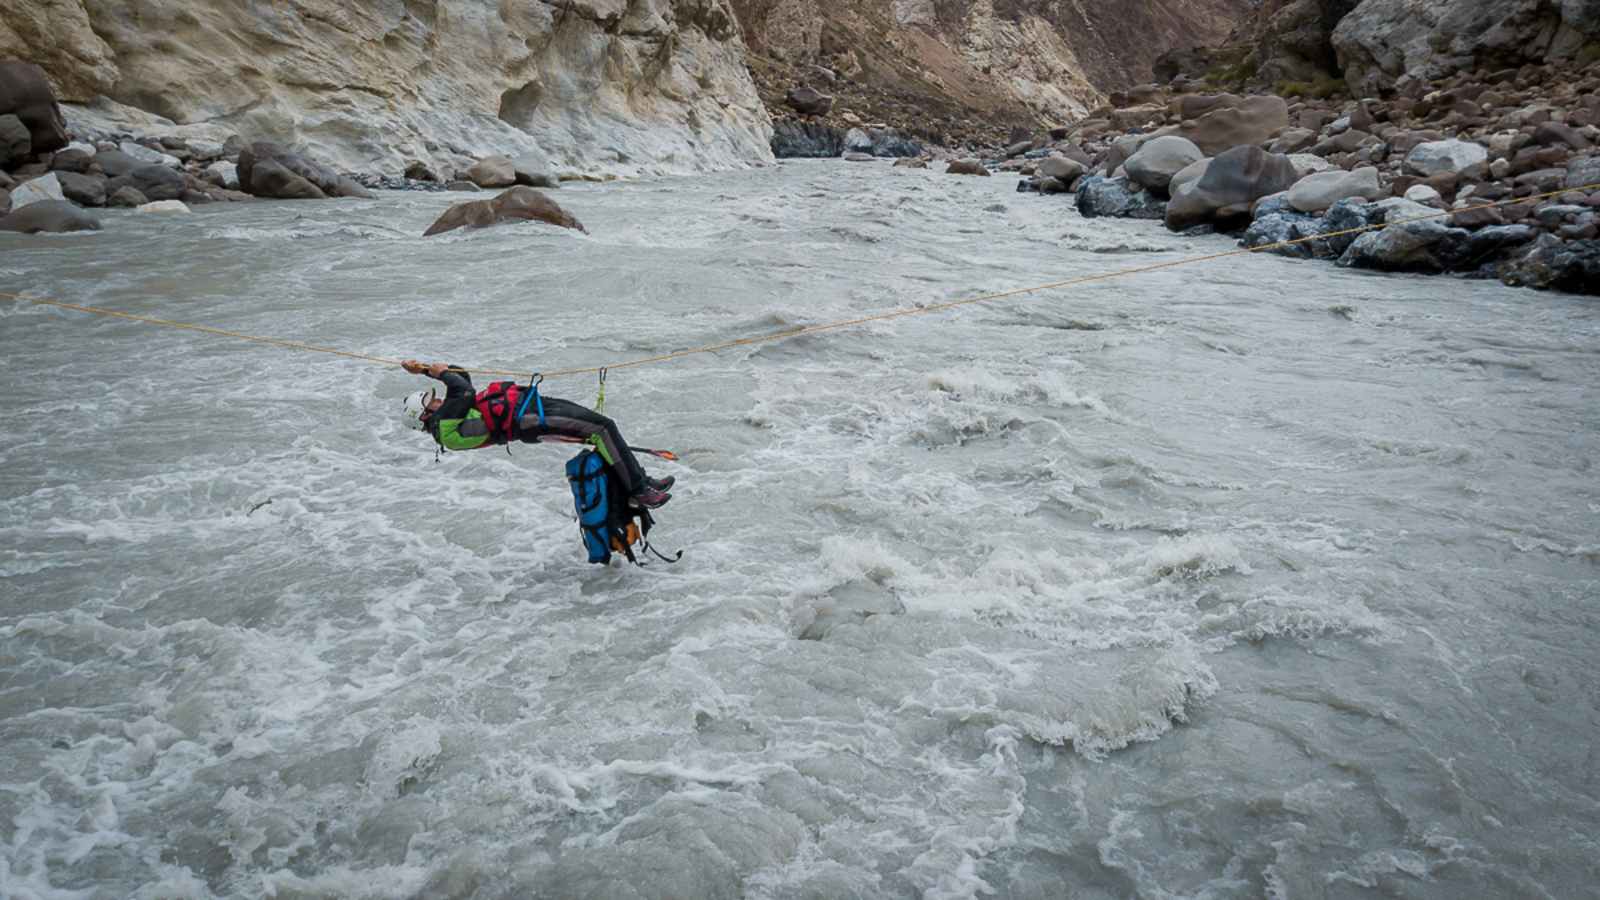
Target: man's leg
(563, 417)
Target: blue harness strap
(531, 395)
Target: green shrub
(1589, 54)
(1324, 87)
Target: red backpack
(498, 404)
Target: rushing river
(1251, 578)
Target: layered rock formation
(964, 68)
(619, 86)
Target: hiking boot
(661, 484)
(650, 498)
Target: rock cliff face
(1384, 41)
(622, 86)
(1006, 62)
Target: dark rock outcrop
(517, 204)
(1553, 264)
(25, 93)
(1117, 198)
(806, 140)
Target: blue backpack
(605, 518)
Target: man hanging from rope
(467, 419)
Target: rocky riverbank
(1272, 169)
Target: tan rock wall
(623, 86)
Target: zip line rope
(793, 332)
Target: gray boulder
(1437, 157)
(1346, 217)
(43, 189)
(84, 190)
(115, 163)
(858, 141)
(1315, 193)
(224, 173)
(534, 170)
(1189, 175)
(156, 182)
(1117, 198)
(1159, 159)
(275, 180)
(1230, 186)
(1061, 168)
(148, 156)
(49, 216)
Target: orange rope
(793, 332)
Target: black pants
(563, 418)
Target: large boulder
(1287, 233)
(1232, 182)
(72, 160)
(25, 93)
(1188, 175)
(808, 101)
(518, 204)
(126, 197)
(1061, 168)
(1437, 157)
(270, 170)
(84, 190)
(1247, 120)
(16, 143)
(793, 139)
(1315, 193)
(1552, 264)
(493, 172)
(1410, 243)
(39, 190)
(1155, 163)
(156, 182)
(1117, 198)
(967, 167)
(51, 216)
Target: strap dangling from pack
(600, 402)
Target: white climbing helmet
(416, 409)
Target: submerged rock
(1117, 198)
(967, 167)
(518, 204)
(49, 216)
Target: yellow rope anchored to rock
(793, 332)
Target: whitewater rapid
(1252, 578)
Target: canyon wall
(619, 86)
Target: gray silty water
(1248, 578)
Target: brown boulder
(808, 101)
(1253, 120)
(518, 204)
(72, 161)
(493, 172)
(967, 167)
(25, 93)
(1554, 134)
